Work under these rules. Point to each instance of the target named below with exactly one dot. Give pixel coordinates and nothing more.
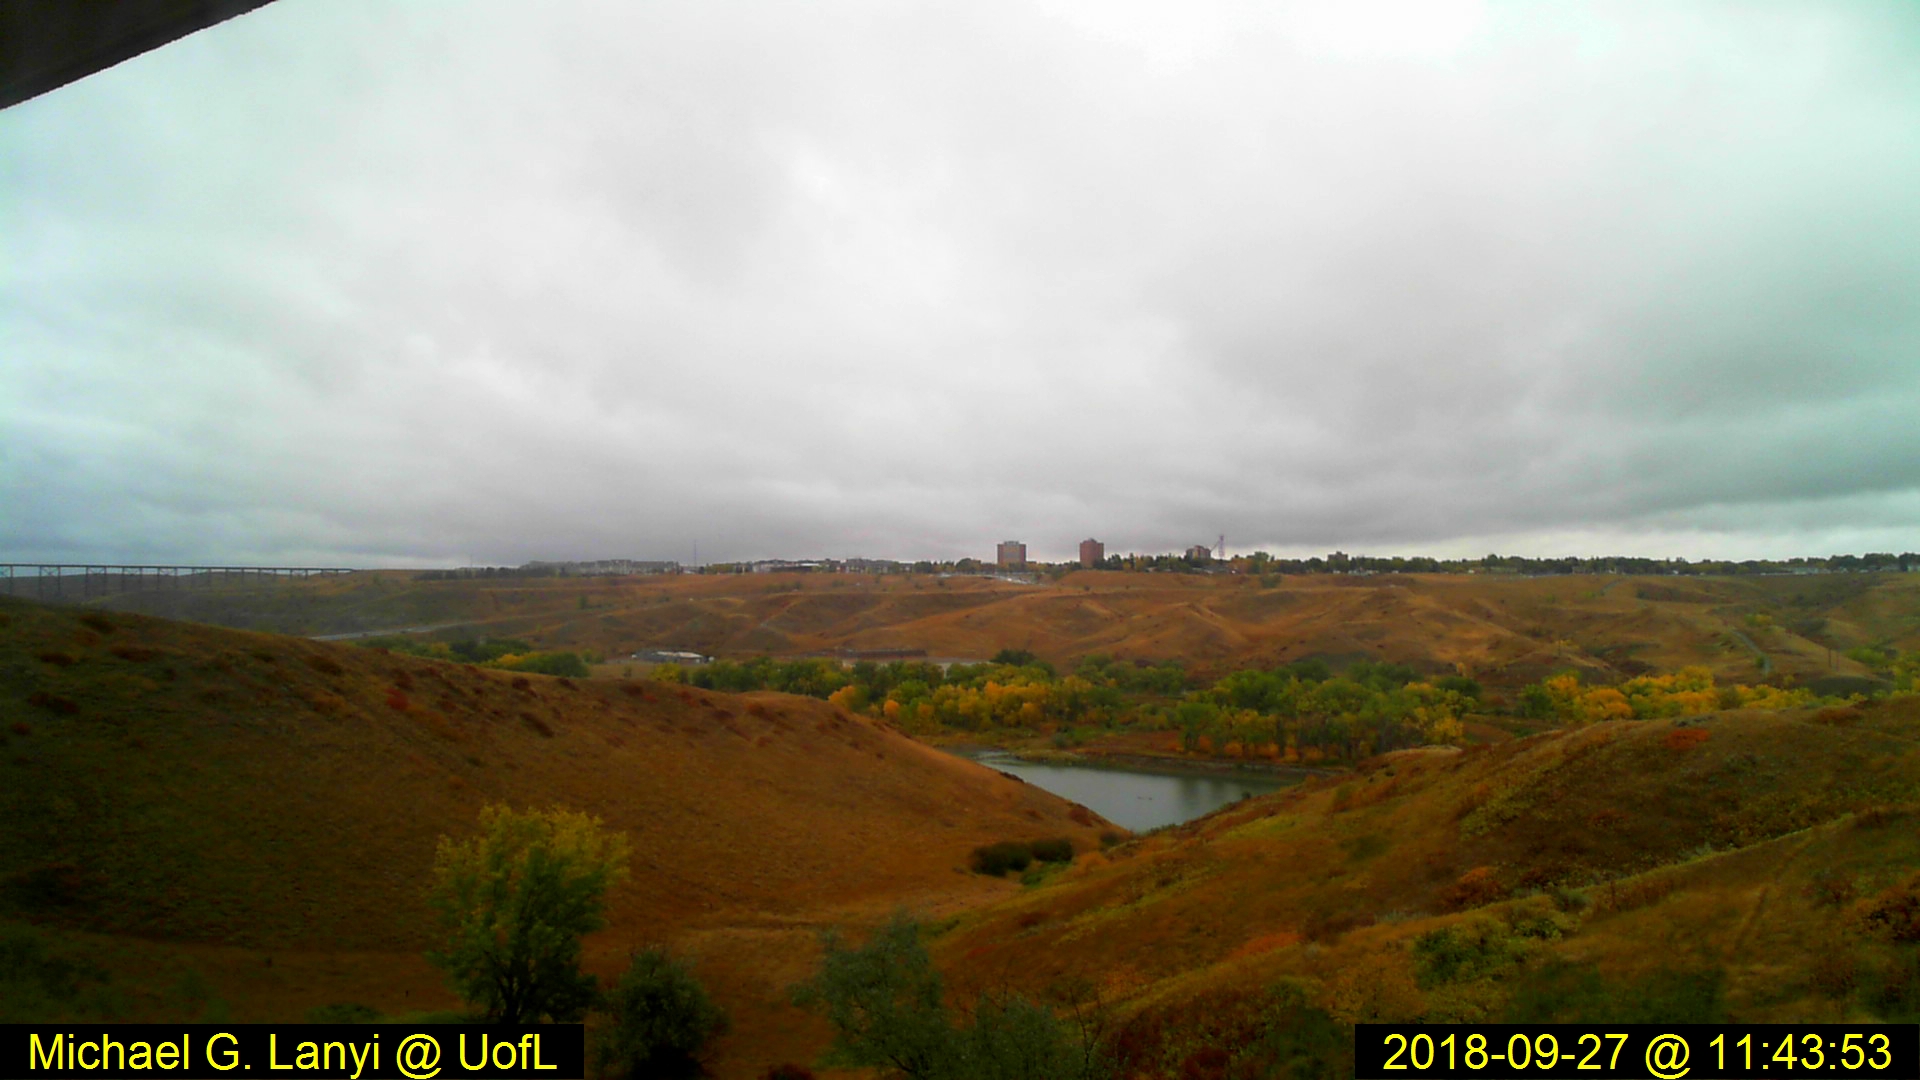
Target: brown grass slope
(1504, 630)
(1754, 844)
(197, 784)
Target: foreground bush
(661, 1018)
(1016, 855)
(886, 1004)
(1059, 849)
(998, 859)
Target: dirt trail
(1766, 663)
(1766, 892)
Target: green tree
(886, 1006)
(514, 902)
(662, 1019)
(884, 1003)
(1016, 1039)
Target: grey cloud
(417, 283)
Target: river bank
(1133, 758)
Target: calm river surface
(1138, 799)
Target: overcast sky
(409, 284)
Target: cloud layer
(419, 284)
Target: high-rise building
(1091, 552)
(1010, 555)
(1199, 553)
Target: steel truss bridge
(81, 581)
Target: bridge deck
(79, 581)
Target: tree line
(1303, 712)
(504, 654)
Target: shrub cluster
(1017, 855)
(1057, 849)
(998, 859)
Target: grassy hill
(1760, 865)
(260, 811)
(1505, 630)
(188, 795)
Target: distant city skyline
(1201, 552)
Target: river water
(1136, 798)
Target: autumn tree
(514, 902)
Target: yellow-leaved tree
(514, 902)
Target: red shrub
(1266, 943)
(58, 659)
(139, 654)
(633, 689)
(1685, 738)
(788, 1072)
(1478, 886)
(521, 682)
(20, 728)
(397, 700)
